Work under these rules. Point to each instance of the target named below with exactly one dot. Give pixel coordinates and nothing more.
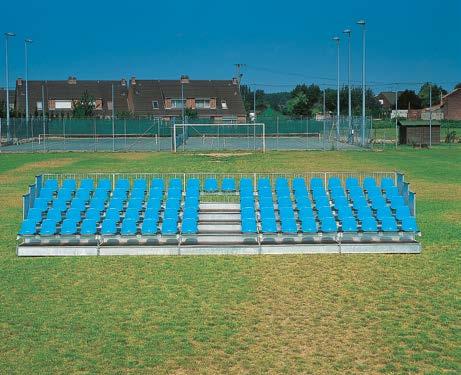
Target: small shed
(417, 132)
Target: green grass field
(262, 314)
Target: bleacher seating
(268, 207)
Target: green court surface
(251, 315)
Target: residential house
(60, 96)
(216, 100)
(451, 105)
(387, 99)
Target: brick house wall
(452, 105)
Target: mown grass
(291, 314)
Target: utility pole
(362, 23)
(430, 115)
(239, 75)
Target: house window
(224, 104)
(63, 104)
(202, 103)
(154, 104)
(98, 104)
(110, 106)
(177, 103)
(39, 106)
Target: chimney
(71, 80)
(19, 82)
(184, 79)
(235, 81)
(123, 82)
(133, 81)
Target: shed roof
(419, 123)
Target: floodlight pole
(349, 67)
(43, 116)
(430, 115)
(254, 106)
(26, 42)
(8, 134)
(324, 114)
(396, 118)
(336, 39)
(362, 23)
(113, 119)
(182, 102)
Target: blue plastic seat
(299, 184)
(154, 204)
(352, 182)
(284, 202)
(151, 214)
(122, 184)
(264, 182)
(70, 184)
(129, 228)
(283, 191)
(35, 214)
(305, 212)
(54, 214)
(140, 183)
(328, 225)
(137, 193)
(324, 212)
(409, 224)
(193, 192)
(89, 227)
(387, 182)
(190, 212)
(266, 202)
(356, 191)
(334, 182)
(349, 224)
(269, 225)
(157, 183)
(46, 194)
(383, 212)
(97, 204)
(309, 225)
(316, 182)
(193, 184)
(104, 184)
(402, 212)
(156, 193)
(211, 185)
(93, 213)
(344, 213)
(303, 202)
(100, 193)
(301, 193)
(135, 203)
(132, 214)
(246, 184)
(289, 225)
(69, 227)
(397, 201)
(169, 227)
(369, 182)
(28, 227)
(83, 194)
(78, 203)
(175, 183)
(388, 224)
(247, 202)
(48, 228)
(267, 212)
(116, 204)
(113, 214)
(170, 213)
(249, 225)
(192, 200)
(341, 202)
(337, 191)
(120, 193)
(149, 227)
(189, 226)
(369, 224)
(322, 202)
(359, 201)
(392, 191)
(228, 185)
(364, 212)
(65, 194)
(173, 203)
(108, 227)
(51, 184)
(174, 193)
(74, 214)
(60, 204)
(247, 212)
(87, 184)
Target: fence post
(264, 137)
(277, 132)
(174, 137)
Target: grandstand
(187, 213)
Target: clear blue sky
(281, 42)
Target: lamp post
(349, 95)
(362, 23)
(26, 42)
(7, 36)
(336, 39)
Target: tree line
(307, 100)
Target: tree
(2, 108)
(302, 100)
(409, 100)
(190, 114)
(84, 106)
(437, 92)
(248, 99)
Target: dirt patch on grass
(225, 154)
(434, 190)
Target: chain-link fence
(271, 133)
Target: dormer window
(154, 104)
(224, 104)
(202, 103)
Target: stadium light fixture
(362, 23)
(7, 36)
